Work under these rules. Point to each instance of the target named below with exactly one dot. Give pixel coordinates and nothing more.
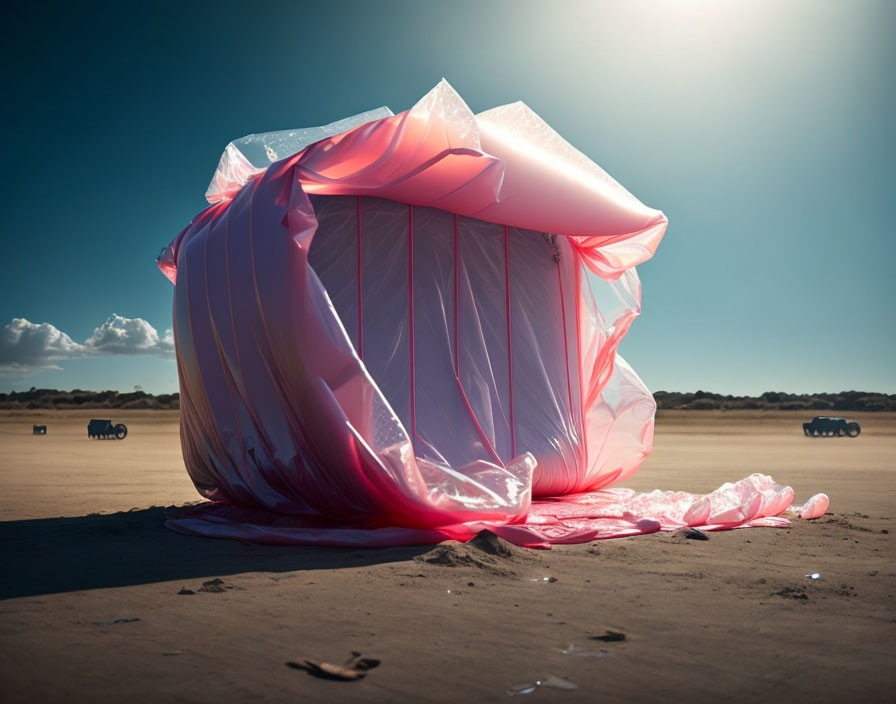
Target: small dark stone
(216, 586)
(186, 591)
(693, 534)
(609, 637)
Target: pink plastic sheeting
(576, 518)
(815, 507)
(408, 357)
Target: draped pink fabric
(404, 328)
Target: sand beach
(733, 618)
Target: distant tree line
(75, 399)
(777, 401)
(665, 400)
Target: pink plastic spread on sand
(375, 347)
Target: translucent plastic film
(405, 329)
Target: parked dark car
(823, 426)
(104, 429)
(39, 430)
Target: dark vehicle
(104, 429)
(823, 426)
(39, 430)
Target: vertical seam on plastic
(265, 354)
(241, 438)
(411, 316)
(463, 394)
(360, 289)
(509, 336)
(565, 341)
(577, 279)
(456, 300)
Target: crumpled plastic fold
(400, 329)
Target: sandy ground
(730, 619)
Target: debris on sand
(578, 650)
(549, 681)
(609, 637)
(215, 586)
(792, 593)
(846, 590)
(485, 551)
(186, 591)
(116, 620)
(355, 668)
(692, 534)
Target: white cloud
(120, 335)
(27, 346)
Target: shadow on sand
(51, 555)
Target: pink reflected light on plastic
(403, 329)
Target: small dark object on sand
(116, 620)
(792, 593)
(216, 586)
(38, 430)
(326, 670)
(363, 664)
(354, 669)
(186, 591)
(693, 534)
(609, 637)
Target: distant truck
(39, 430)
(823, 426)
(97, 428)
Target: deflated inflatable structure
(400, 329)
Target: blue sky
(762, 128)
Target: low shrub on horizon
(817, 404)
(78, 398)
